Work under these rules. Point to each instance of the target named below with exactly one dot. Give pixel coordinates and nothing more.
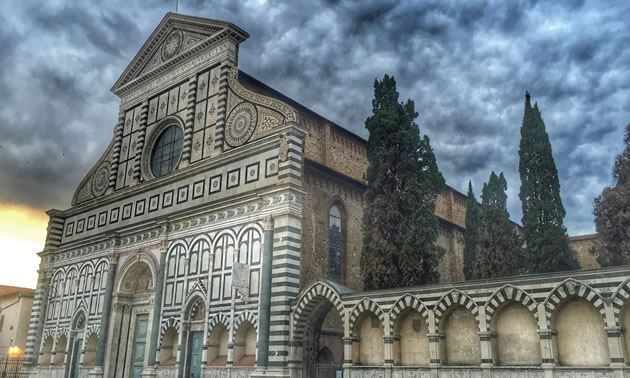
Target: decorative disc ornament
(101, 179)
(240, 124)
(172, 45)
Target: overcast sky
(465, 64)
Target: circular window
(167, 151)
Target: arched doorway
(77, 335)
(318, 332)
(194, 327)
(131, 316)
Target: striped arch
(92, 329)
(619, 299)
(312, 298)
(403, 303)
(366, 304)
(573, 288)
(509, 293)
(198, 287)
(452, 298)
(58, 333)
(245, 315)
(216, 319)
(170, 322)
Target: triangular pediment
(175, 39)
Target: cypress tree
(400, 228)
(546, 239)
(612, 213)
(498, 249)
(471, 237)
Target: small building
(15, 312)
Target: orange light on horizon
(22, 236)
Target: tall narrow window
(334, 243)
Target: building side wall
(323, 191)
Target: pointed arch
(507, 293)
(619, 298)
(243, 316)
(171, 322)
(452, 298)
(79, 317)
(193, 302)
(219, 318)
(366, 304)
(310, 299)
(573, 288)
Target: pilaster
(157, 310)
(97, 371)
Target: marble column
(157, 310)
(97, 371)
(264, 312)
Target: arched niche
(46, 352)
(515, 338)
(368, 344)
(218, 345)
(461, 345)
(168, 349)
(580, 337)
(411, 341)
(245, 345)
(60, 351)
(89, 356)
(137, 277)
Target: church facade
(219, 235)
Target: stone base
(149, 372)
(270, 372)
(96, 372)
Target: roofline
(291, 101)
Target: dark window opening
(334, 241)
(167, 151)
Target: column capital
(163, 245)
(268, 222)
(113, 257)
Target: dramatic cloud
(466, 66)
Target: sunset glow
(22, 235)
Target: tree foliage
(497, 252)
(546, 239)
(471, 238)
(400, 228)
(612, 213)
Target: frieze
(180, 226)
(178, 73)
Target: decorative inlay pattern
(101, 179)
(240, 124)
(172, 45)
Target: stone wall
(324, 190)
(560, 324)
(582, 245)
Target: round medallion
(101, 179)
(240, 124)
(172, 45)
